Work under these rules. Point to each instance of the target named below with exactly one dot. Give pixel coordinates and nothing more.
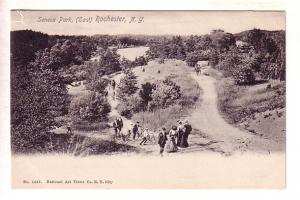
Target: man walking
(135, 130)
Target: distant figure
(135, 130)
(171, 146)
(143, 69)
(69, 129)
(162, 140)
(158, 71)
(119, 124)
(198, 70)
(179, 132)
(186, 132)
(115, 126)
(113, 84)
(144, 135)
(268, 86)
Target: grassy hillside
(255, 108)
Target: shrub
(244, 75)
(270, 70)
(132, 105)
(165, 93)
(91, 107)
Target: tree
(127, 85)
(193, 57)
(34, 110)
(221, 41)
(109, 61)
(145, 93)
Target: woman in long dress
(171, 146)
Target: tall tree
(127, 85)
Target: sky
(146, 22)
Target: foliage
(108, 61)
(165, 93)
(244, 75)
(140, 61)
(270, 70)
(195, 56)
(127, 85)
(270, 46)
(132, 105)
(91, 107)
(35, 107)
(97, 85)
(167, 48)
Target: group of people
(176, 137)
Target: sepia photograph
(148, 99)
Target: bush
(270, 70)
(244, 75)
(90, 107)
(132, 105)
(165, 93)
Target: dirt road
(223, 137)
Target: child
(145, 135)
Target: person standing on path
(162, 139)
(179, 132)
(187, 129)
(115, 126)
(135, 130)
(171, 146)
(119, 124)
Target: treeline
(264, 56)
(39, 65)
(42, 67)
